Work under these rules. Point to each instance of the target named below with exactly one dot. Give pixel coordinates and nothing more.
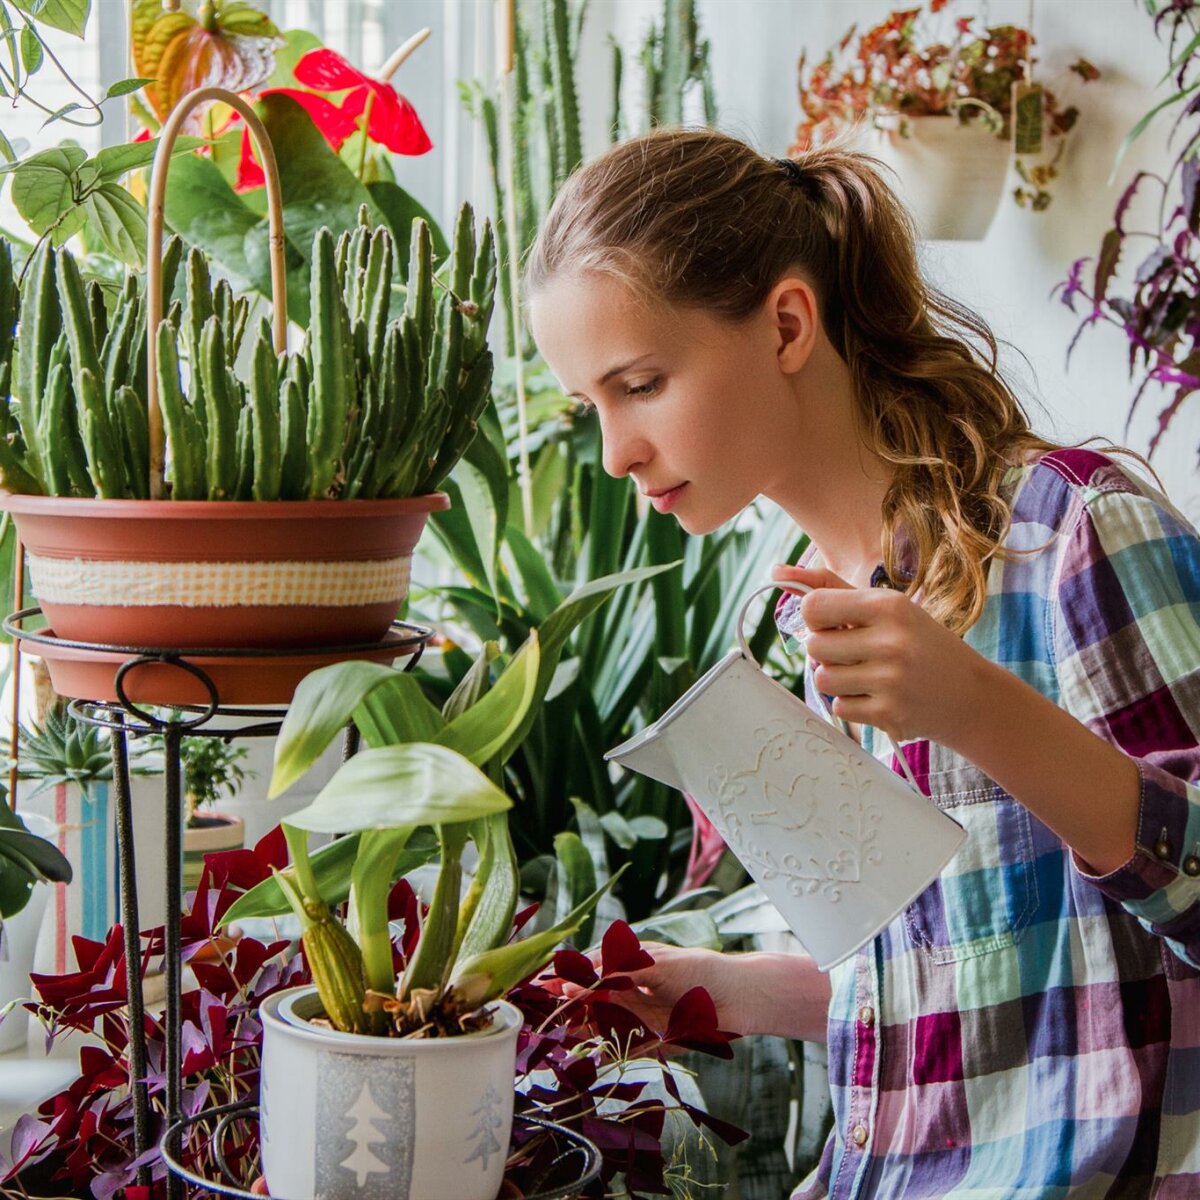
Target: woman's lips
(665, 501)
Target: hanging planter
(277, 512)
(949, 173)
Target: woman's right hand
(781, 994)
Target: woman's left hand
(886, 661)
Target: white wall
(1009, 275)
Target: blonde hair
(696, 218)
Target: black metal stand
(573, 1163)
(125, 719)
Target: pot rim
(279, 1011)
(230, 510)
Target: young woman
(1022, 618)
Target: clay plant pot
(207, 574)
(950, 175)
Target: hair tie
(795, 172)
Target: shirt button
(1191, 865)
(859, 1135)
(866, 1014)
(1162, 847)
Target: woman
(1021, 617)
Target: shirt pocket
(987, 893)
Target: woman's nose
(623, 447)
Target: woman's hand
(783, 995)
(887, 662)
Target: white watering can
(840, 844)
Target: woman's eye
(643, 389)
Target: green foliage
(25, 859)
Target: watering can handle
(744, 646)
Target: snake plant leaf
(414, 784)
(323, 704)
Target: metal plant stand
(573, 1161)
(126, 719)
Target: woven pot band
(218, 584)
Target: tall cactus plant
(372, 405)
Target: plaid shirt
(1023, 1029)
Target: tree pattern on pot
(763, 807)
(488, 1118)
(370, 1108)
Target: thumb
(809, 577)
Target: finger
(855, 680)
(841, 647)
(833, 608)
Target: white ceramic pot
(840, 844)
(950, 175)
(20, 941)
(348, 1117)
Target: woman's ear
(791, 307)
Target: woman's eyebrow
(610, 373)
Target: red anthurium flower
(392, 121)
(335, 124)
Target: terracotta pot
(219, 832)
(91, 674)
(195, 574)
(950, 175)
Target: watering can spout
(648, 754)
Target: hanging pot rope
(154, 234)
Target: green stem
(366, 124)
(297, 841)
(371, 883)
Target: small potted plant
(418, 1069)
(941, 111)
(197, 508)
(72, 761)
(29, 862)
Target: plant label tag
(1027, 117)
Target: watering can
(840, 844)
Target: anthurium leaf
(41, 187)
(485, 976)
(120, 222)
(320, 709)
(71, 16)
(114, 161)
(414, 784)
(320, 189)
(487, 729)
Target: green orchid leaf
(397, 711)
(485, 976)
(392, 786)
(474, 683)
(486, 729)
(332, 866)
(576, 881)
(321, 707)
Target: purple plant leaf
(1126, 199)
(1106, 264)
(27, 1134)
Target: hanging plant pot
(209, 833)
(194, 574)
(949, 174)
(352, 1117)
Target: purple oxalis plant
(1160, 315)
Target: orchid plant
(424, 766)
(575, 1045)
